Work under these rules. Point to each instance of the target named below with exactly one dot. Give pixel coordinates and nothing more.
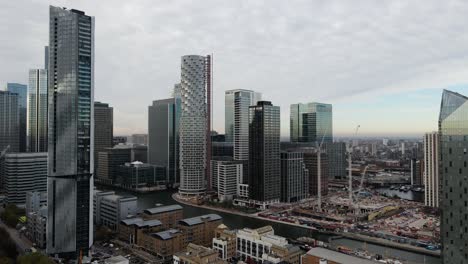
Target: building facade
(227, 175)
(336, 152)
(311, 122)
(253, 243)
(9, 121)
(193, 124)
(453, 136)
(103, 129)
(109, 161)
(168, 215)
(137, 175)
(22, 91)
(431, 169)
(110, 209)
(264, 152)
(196, 254)
(311, 162)
(163, 136)
(71, 125)
(37, 111)
(294, 177)
(24, 172)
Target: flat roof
(163, 209)
(199, 219)
(337, 256)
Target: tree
(33, 258)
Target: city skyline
(259, 52)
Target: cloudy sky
(382, 64)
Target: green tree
(33, 258)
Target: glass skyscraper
(453, 136)
(311, 122)
(37, 111)
(163, 136)
(9, 121)
(103, 129)
(70, 146)
(22, 91)
(264, 152)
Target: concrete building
(36, 227)
(22, 91)
(453, 149)
(431, 169)
(9, 121)
(168, 215)
(137, 175)
(24, 172)
(294, 177)
(319, 255)
(71, 128)
(103, 129)
(336, 152)
(264, 153)
(225, 242)
(226, 176)
(37, 111)
(416, 170)
(311, 122)
(109, 161)
(194, 133)
(110, 209)
(163, 136)
(196, 254)
(35, 200)
(253, 243)
(311, 162)
(139, 139)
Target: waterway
(409, 195)
(237, 222)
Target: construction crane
(361, 185)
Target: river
(237, 222)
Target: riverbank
(352, 236)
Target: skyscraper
(264, 152)
(194, 124)
(9, 121)
(294, 177)
(163, 136)
(71, 125)
(311, 122)
(22, 91)
(37, 111)
(311, 162)
(336, 152)
(431, 169)
(103, 129)
(453, 130)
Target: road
(22, 243)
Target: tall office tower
(194, 124)
(9, 122)
(103, 129)
(24, 172)
(71, 129)
(163, 136)
(264, 152)
(416, 169)
(294, 177)
(431, 169)
(311, 122)
(236, 124)
(453, 146)
(37, 111)
(311, 162)
(22, 91)
(336, 153)
(46, 58)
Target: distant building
(139, 153)
(336, 153)
(453, 149)
(137, 175)
(35, 200)
(254, 243)
(311, 122)
(22, 91)
(196, 254)
(294, 177)
(416, 167)
(37, 111)
(103, 129)
(112, 208)
(9, 121)
(119, 140)
(264, 153)
(163, 136)
(24, 172)
(224, 149)
(431, 169)
(311, 162)
(140, 139)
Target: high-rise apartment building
(236, 126)
(103, 129)
(311, 122)
(227, 175)
(163, 136)
(24, 172)
(195, 124)
(264, 152)
(9, 121)
(294, 177)
(431, 169)
(311, 162)
(22, 91)
(71, 125)
(453, 144)
(37, 111)
(336, 152)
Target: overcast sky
(382, 64)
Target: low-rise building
(34, 201)
(320, 255)
(137, 175)
(253, 243)
(225, 242)
(110, 209)
(200, 229)
(36, 227)
(196, 254)
(131, 229)
(168, 215)
(283, 254)
(163, 244)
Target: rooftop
(167, 234)
(163, 209)
(337, 256)
(200, 219)
(140, 222)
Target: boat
(345, 250)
